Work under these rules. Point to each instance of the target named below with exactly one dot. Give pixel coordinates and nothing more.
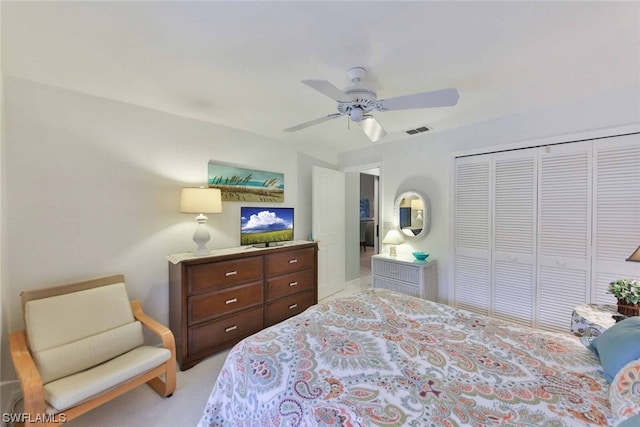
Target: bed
(384, 358)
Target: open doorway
(362, 215)
(368, 213)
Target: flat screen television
(265, 226)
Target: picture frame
(238, 184)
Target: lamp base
(392, 250)
(201, 251)
(201, 237)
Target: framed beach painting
(246, 185)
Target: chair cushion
(69, 391)
(75, 331)
(67, 359)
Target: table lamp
(635, 256)
(393, 238)
(201, 201)
(418, 206)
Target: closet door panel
(616, 224)
(514, 291)
(514, 225)
(560, 290)
(564, 237)
(472, 235)
(472, 283)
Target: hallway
(365, 261)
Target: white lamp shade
(407, 231)
(635, 256)
(417, 204)
(201, 200)
(393, 237)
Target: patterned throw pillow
(624, 393)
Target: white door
(564, 236)
(616, 213)
(514, 235)
(473, 235)
(328, 227)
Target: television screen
(265, 226)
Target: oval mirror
(412, 214)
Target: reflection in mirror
(412, 214)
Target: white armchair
(83, 346)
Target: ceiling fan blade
(372, 128)
(313, 122)
(326, 88)
(436, 98)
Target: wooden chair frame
(31, 382)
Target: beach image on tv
(265, 225)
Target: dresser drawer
(412, 289)
(222, 274)
(215, 304)
(289, 283)
(214, 334)
(290, 261)
(396, 271)
(289, 306)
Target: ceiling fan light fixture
(356, 114)
(372, 128)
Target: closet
(540, 230)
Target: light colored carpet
(142, 407)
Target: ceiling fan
(358, 101)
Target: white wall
(7, 389)
(424, 162)
(92, 188)
(410, 165)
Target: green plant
(626, 290)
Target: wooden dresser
(405, 274)
(216, 300)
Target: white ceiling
(240, 64)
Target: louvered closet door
(564, 237)
(616, 230)
(472, 233)
(514, 225)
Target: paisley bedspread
(382, 358)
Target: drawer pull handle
(231, 273)
(293, 284)
(292, 306)
(293, 261)
(231, 328)
(231, 301)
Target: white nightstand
(405, 274)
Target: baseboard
(10, 395)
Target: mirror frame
(426, 215)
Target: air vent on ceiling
(417, 130)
